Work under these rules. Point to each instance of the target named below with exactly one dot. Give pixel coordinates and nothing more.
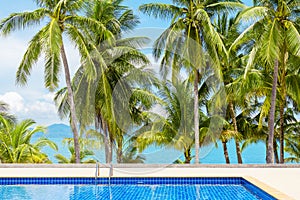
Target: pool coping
(268, 189)
(138, 165)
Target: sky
(33, 100)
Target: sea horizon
(252, 154)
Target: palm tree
(63, 18)
(289, 88)
(230, 64)
(118, 59)
(175, 129)
(16, 145)
(131, 154)
(4, 108)
(291, 137)
(277, 37)
(84, 156)
(293, 144)
(190, 30)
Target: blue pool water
(130, 189)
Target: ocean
(253, 154)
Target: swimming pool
(130, 188)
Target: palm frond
(30, 57)
(271, 43)
(83, 47)
(293, 39)
(251, 14)
(42, 142)
(52, 55)
(226, 6)
(159, 10)
(22, 20)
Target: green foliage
(16, 145)
(85, 155)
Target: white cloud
(49, 97)
(42, 107)
(14, 100)
(32, 100)
(42, 110)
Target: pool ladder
(97, 174)
(97, 171)
(111, 173)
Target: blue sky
(33, 100)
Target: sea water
(255, 153)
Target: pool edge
(268, 189)
(285, 179)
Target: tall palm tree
(277, 37)
(119, 57)
(289, 87)
(231, 62)
(16, 145)
(61, 17)
(190, 30)
(290, 126)
(225, 136)
(175, 130)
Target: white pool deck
(282, 181)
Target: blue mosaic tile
(130, 188)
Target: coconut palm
(175, 129)
(291, 136)
(230, 64)
(4, 108)
(293, 145)
(288, 87)
(62, 17)
(190, 30)
(84, 154)
(119, 59)
(118, 62)
(131, 154)
(276, 37)
(226, 136)
(16, 145)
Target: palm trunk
(120, 150)
(282, 105)
(73, 120)
(196, 116)
(237, 142)
(226, 152)
(106, 142)
(187, 155)
(110, 149)
(270, 149)
(276, 153)
(281, 133)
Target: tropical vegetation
(16, 145)
(228, 72)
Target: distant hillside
(56, 131)
(59, 130)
